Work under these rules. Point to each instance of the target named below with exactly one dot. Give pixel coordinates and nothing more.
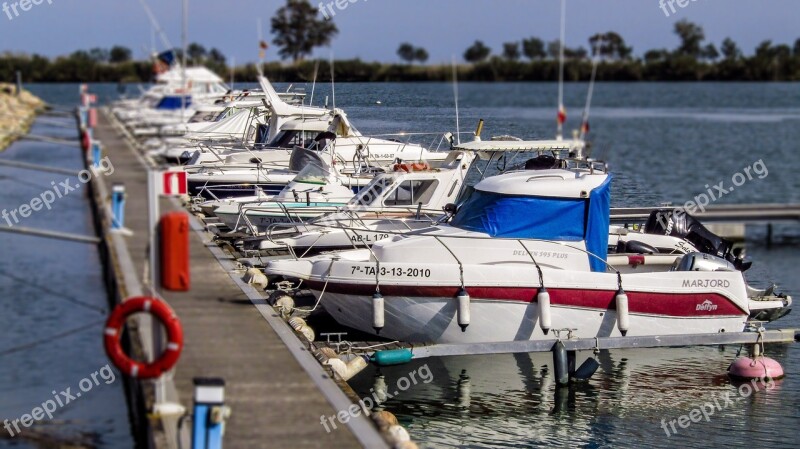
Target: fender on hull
(433, 319)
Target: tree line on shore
(529, 59)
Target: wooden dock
(276, 389)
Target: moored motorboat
(526, 253)
(409, 197)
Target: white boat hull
(433, 319)
(421, 308)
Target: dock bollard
(118, 206)
(210, 413)
(83, 117)
(97, 153)
(92, 118)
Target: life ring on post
(113, 330)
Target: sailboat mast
(184, 41)
(333, 84)
(154, 23)
(585, 119)
(561, 112)
(261, 52)
(455, 94)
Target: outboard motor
(684, 226)
(704, 262)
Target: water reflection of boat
(489, 401)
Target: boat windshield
(203, 116)
(412, 192)
(313, 174)
(290, 138)
(373, 191)
(227, 112)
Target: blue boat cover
(167, 57)
(173, 102)
(543, 218)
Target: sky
(373, 29)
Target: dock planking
(274, 400)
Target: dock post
(97, 154)
(118, 206)
(769, 235)
(83, 117)
(210, 413)
(153, 215)
(19, 82)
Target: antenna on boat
(562, 113)
(261, 46)
(314, 83)
(585, 118)
(333, 85)
(233, 71)
(455, 94)
(156, 26)
(185, 43)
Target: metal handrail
(480, 237)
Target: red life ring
(113, 330)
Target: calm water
(664, 143)
(54, 304)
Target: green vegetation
(530, 59)
(298, 31)
(410, 53)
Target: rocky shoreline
(16, 113)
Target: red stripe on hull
(646, 303)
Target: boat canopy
(488, 147)
(194, 74)
(524, 205)
(316, 124)
(233, 124)
(174, 102)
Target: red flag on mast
(562, 115)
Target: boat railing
(509, 161)
(208, 148)
(441, 238)
(205, 188)
(359, 225)
(221, 167)
(443, 138)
